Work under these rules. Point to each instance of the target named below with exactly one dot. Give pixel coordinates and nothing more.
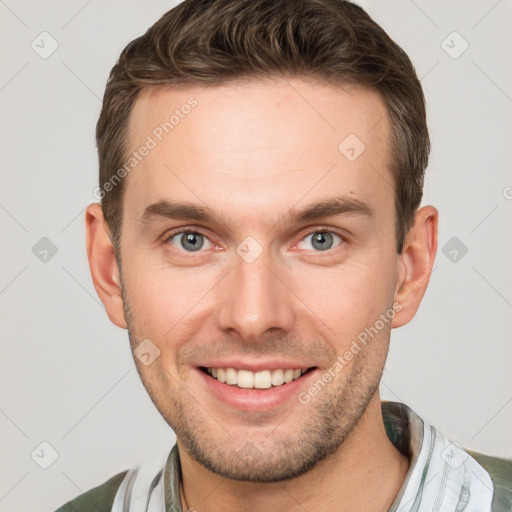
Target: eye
(188, 240)
(322, 240)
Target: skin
(252, 152)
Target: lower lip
(256, 400)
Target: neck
(364, 474)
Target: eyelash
(197, 232)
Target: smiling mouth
(264, 379)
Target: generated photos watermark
(364, 337)
(152, 140)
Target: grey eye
(190, 241)
(322, 240)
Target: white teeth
(245, 379)
(260, 380)
(231, 376)
(277, 377)
(288, 375)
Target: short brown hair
(217, 41)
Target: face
(226, 264)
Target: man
(286, 143)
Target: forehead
(261, 143)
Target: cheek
(160, 296)
(348, 298)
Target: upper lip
(255, 366)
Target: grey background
(67, 375)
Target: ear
(103, 265)
(415, 264)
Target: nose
(254, 298)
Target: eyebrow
(322, 209)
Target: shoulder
(99, 499)
(500, 471)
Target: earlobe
(415, 266)
(103, 264)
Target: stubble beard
(319, 427)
